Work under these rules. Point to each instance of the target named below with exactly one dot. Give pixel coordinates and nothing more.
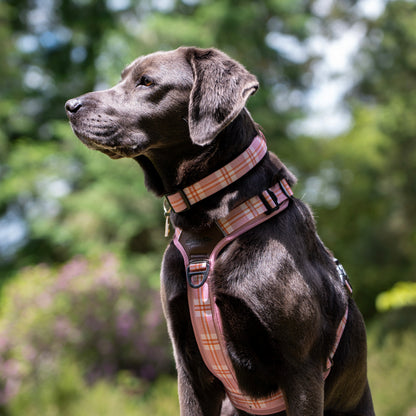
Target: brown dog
(181, 115)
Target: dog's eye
(145, 81)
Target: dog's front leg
(200, 393)
(199, 400)
(304, 391)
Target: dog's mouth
(95, 143)
(106, 137)
(113, 153)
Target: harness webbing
(207, 325)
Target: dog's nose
(73, 105)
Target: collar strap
(218, 180)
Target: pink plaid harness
(205, 316)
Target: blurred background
(81, 240)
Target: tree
(59, 199)
(369, 171)
(62, 198)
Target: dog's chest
(233, 343)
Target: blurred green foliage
(402, 294)
(63, 206)
(67, 394)
(392, 362)
(87, 312)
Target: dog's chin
(106, 145)
(110, 154)
(114, 152)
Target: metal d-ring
(190, 274)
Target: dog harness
(200, 253)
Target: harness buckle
(343, 276)
(283, 188)
(269, 208)
(197, 268)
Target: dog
(182, 115)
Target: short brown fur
(181, 115)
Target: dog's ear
(221, 87)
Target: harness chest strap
(208, 331)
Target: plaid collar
(183, 199)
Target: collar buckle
(184, 201)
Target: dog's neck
(171, 168)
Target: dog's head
(163, 99)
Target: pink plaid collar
(182, 200)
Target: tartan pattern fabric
(221, 178)
(208, 332)
(253, 208)
(340, 331)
